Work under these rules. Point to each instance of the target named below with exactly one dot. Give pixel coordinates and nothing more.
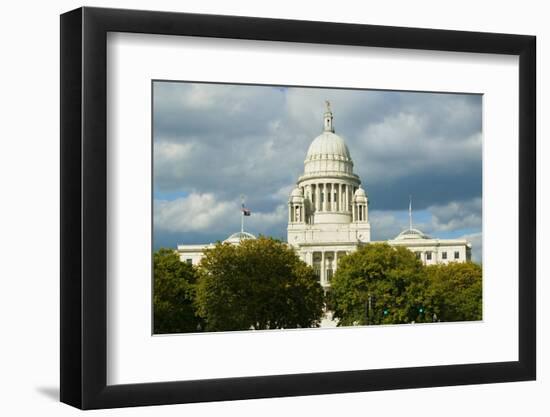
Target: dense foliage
(262, 284)
(456, 291)
(380, 284)
(173, 295)
(258, 284)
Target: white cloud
(457, 215)
(385, 225)
(266, 222)
(204, 213)
(168, 152)
(196, 212)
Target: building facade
(192, 254)
(431, 250)
(328, 214)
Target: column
(353, 212)
(289, 212)
(346, 206)
(317, 197)
(325, 195)
(323, 269)
(307, 204)
(335, 262)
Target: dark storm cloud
(426, 188)
(215, 142)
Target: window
(457, 255)
(189, 261)
(417, 255)
(329, 275)
(443, 255)
(428, 256)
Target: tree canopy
(258, 284)
(262, 284)
(173, 294)
(456, 291)
(379, 284)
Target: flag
(246, 212)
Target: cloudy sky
(214, 142)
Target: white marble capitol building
(328, 214)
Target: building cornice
(333, 175)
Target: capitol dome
(328, 153)
(328, 145)
(238, 237)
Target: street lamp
(368, 309)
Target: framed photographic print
(257, 207)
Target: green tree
(258, 284)
(456, 291)
(173, 295)
(379, 284)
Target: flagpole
(410, 213)
(242, 213)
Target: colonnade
(324, 263)
(327, 196)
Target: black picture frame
(84, 207)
